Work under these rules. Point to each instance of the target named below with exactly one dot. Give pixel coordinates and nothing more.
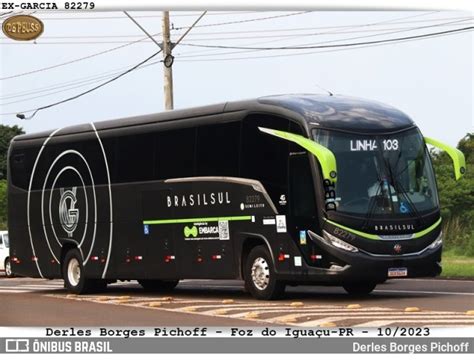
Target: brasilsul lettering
(198, 199)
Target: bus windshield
(381, 174)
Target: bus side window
(19, 176)
(218, 150)
(136, 158)
(175, 153)
(265, 158)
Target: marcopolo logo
(23, 27)
(190, 231)
(68, 214)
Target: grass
(457, 266)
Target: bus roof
(325, 111)
(342, 112)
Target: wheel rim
(8, 268)
(260, 273)
(74, 272)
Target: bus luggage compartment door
(205, 249)
(158, 230)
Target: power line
(147, 16)
(119, 47)
(73, 60)
(231, 32)
(69, 87)
(304, 53)
(22, 116)
(137, 41)
(391, 21)
(357, 46)
(204, 54)
(278, 37)
(213, 52)
(89, 90)
(327, 46)
(95, 78)
(248, 20)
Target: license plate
(397, 272)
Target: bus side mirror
(459, 162)
(325, 157)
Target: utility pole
(167, 62)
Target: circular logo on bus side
(68, 214)
(23, 27)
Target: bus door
(160, 258)
(302, 202)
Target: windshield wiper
(373, 200)
(398, 186)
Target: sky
(431, 79)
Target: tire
(259, 275)
(8, 269)
(360, 289)
(158, 285)
(73, 275)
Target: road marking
(40, 286)
(425, 292)
(274, 312)
(10, 290)
(8, 287)
(284, 314)
(433, 324)
(424, 280)
(396, 319)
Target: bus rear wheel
(259, 275)
(360, 289)
(74, 277)
(158, 285)
(8, 268)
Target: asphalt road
(438, 302)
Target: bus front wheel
(359, 289)
(74, 278)
(259, 275)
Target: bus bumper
(360, 267)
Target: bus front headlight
(339, 243)
(438, 242)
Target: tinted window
(175, 153)
(136, 159)
(265, 157)
(19, 176)
(218, 150)
(302, 199)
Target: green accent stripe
(459, 162)
(192, 220)
(359, 233)
(427, 230)
(326, 158)
(376, 237)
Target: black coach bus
(280, 190)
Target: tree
(457, 197)
(6, 135)
(3, 204)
